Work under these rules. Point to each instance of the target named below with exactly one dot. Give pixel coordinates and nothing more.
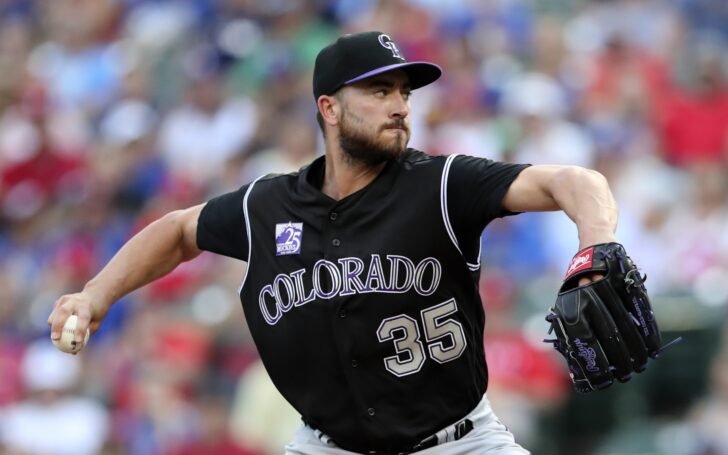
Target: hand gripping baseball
(89, 315)
(606, 329)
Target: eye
(406, 94)
(380, 93)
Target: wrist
(99, 298)
(594, 237)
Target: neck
(343, 177)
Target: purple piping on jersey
(446, 215)
(247, 229)
(384, 69)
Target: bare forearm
(150, 254)
(584, 195)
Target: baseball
(67, 343)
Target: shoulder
(454, 166)
(413, 158)
(275, 181)
(480, 166)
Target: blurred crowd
(114, 112)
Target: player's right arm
(152, 253)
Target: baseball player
(361, 288)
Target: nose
(400, 107)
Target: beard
(362, 145)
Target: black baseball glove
(606, 329)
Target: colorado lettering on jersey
(347, 277)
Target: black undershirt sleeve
(221, 225)
(476, 187)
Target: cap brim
(419, 73)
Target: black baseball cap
(358, 56)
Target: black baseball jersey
(365, 311)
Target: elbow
(575, 178)
(596, 176)
(183, 226)
(575, 183)
(579, 172)
(170, 222)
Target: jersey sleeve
(221, 225)
(476, 188)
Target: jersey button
(371, 411)
(342, 314)
(354, 363)
(336, 242)
(333, 216)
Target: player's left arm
(583, 194)
(606, 310)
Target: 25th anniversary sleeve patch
(288, 238)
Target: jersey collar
(311, 180)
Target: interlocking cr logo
(387, 42)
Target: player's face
(374, 123)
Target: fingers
(586, 279)
(61, 311)
(84, 319)
(66, 306)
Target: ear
(330, 109)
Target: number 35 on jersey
(445, 338)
